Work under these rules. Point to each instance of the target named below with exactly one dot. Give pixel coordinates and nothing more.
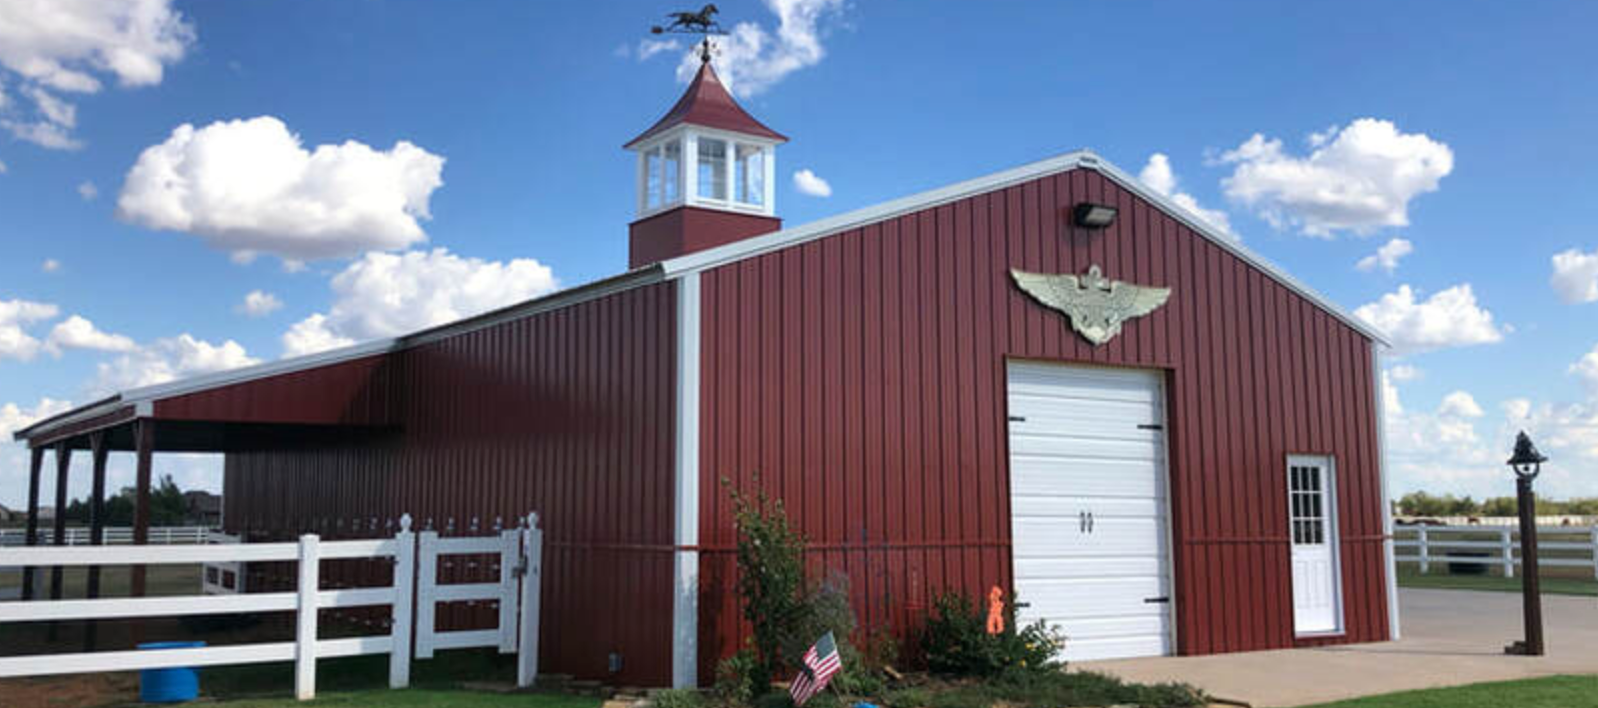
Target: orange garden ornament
(995, 611)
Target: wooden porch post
(63, 462)
(143, 447)
(98, 452)
(32, 537)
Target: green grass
(423, 698)
(1554, 692)
(1551, 584)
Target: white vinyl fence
(1495, 546)
(114, 536)
(412, 588)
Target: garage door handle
(1156, 600)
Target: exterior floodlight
(1093, 216)
(1527, 462)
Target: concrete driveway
(1451, 637)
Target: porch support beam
(98, 451)
(32, 537)
(143, 449)
(63, 464)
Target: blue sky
(492, 130)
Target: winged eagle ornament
(1096, 305)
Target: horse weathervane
(702, 23)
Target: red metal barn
(1049, 379)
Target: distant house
(6, 514)
(46, 513)
(204, 508)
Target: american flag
(820, 663)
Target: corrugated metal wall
(862, 376)
(567, 413)
(354, 392)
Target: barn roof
(707, 103)
(139, 402)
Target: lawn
(1560, 584)
(1554, 692)
(424, 698)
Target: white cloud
(15, 317)
(751, 59)
(1439, 451)
(1358, 178)
(1405, 372)
(1575, 276)
(1159, 176)
(1586, 368)
(258, 303)
(50, 265)
(648, 48)
(249, 186)
(77, 332)
(1391, 404)
(88, 191)
(1460, 404)
(64, 46)
(14, 417)
(1450, 318)
(385, 294)
(13, 456)
(809, 184)
(167, 360)
(1387, 256)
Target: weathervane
(702, 23)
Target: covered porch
(339, 397)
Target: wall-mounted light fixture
(1093, 216)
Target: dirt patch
(81, 691)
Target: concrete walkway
(1451, 637)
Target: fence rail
(413, 588)
(114, 536)
(1494, 546)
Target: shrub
(957, 642)
(679, 698)
(770, 579)
(735, 680)
(916, 697)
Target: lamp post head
(1527, 461)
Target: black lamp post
(1526, 463)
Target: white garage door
(1087, 505)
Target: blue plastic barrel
(169, 685)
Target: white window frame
(1332, 518)
(688, 171)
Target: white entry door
(1312, 515)
(1088, 507)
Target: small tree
(771, 577)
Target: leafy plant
(957, 642)
(770, 579)
(735, 680)
(679, 698)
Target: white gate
(520, 559)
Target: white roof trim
(1085, 159)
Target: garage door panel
(1088, 508)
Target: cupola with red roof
(706, 175)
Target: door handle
(1082, 522)
(1090, 522)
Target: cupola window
(712, 169)
(663, 174)
(750, 174)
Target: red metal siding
(687, 229)
(353, 392)
(863, 377)
(567, 413)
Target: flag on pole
(820, 663)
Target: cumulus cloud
(648, 48)
(1405, 372)
(1586, 368)
(77, 332)
(751, 59)
(66, 46)
(1460, 404)
(809, 184)
(15, 317)
(1386, 257)
(1357, 178)
(1575, 276)
(385, 295)
(258, 303)
(1439, 450)
(88, 191)
(1450, 318)
(1159, 176)
(168, 360)
(50, 265)
(14, 417)
(250, 187)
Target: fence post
(426, 579)
(1508, 551)
(510, 562)
(399, 658)
(305, 631)
(532, 580)
(1425, 561)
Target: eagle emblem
(1096, 305)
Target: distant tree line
(1423, 504)
(168, 507)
